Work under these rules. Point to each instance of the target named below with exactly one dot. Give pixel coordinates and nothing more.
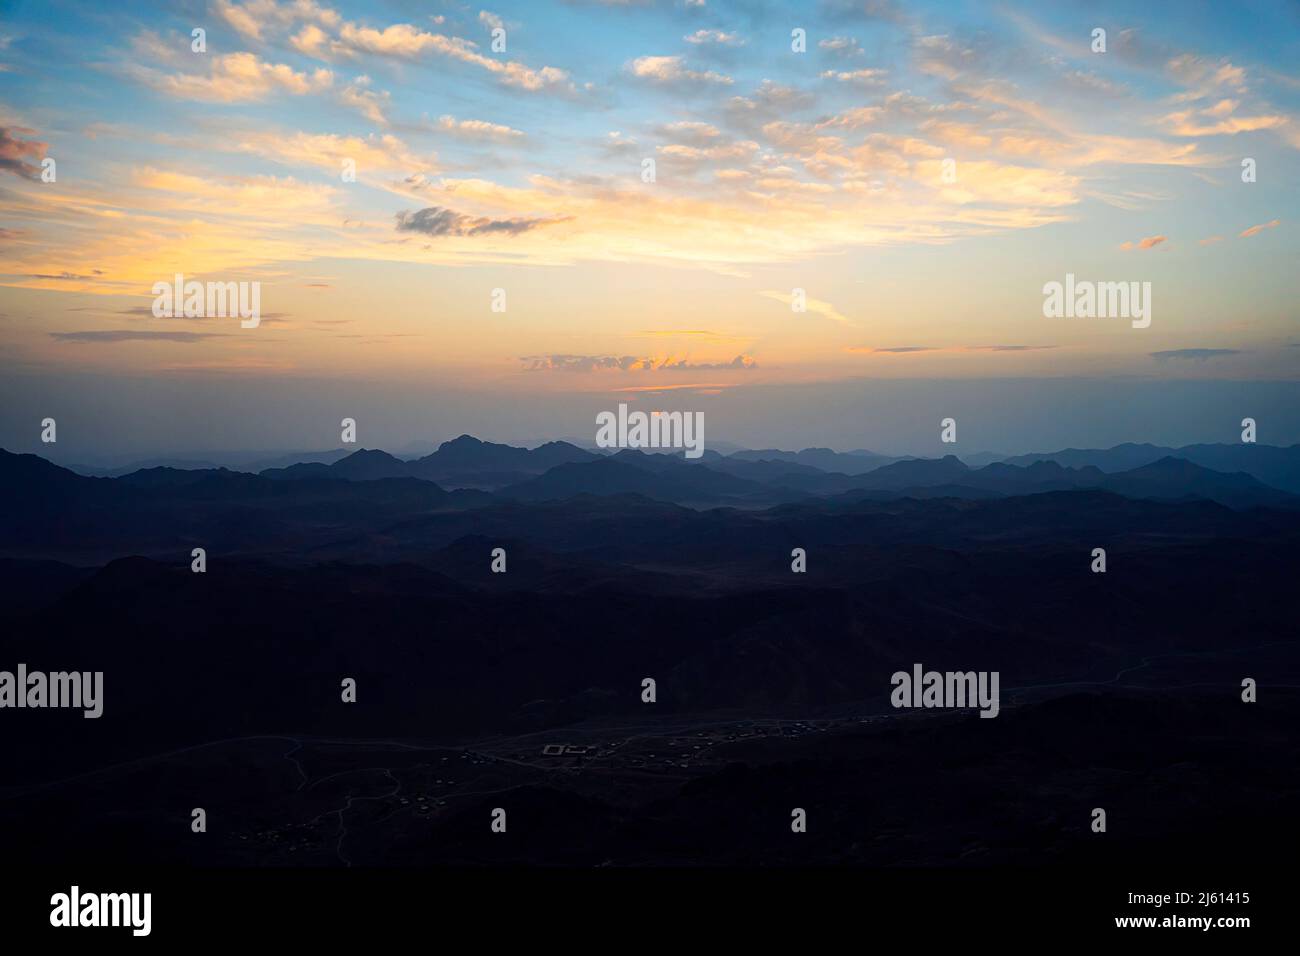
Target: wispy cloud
(841, 46)
(893, 350)
(474, 129)
(16, 151)
(672, 71)
(1255, 230)
(711, 388)
(720, 37)
(1150, 242)
(816, 306)
(372, 104)
(323, 34)
(437, 221)
(132, 335)
(1192, 355)
(629, 363)
(232, 78)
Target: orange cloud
(675, 388)
(1224, 124)
(1150, 242)
(1247, 233)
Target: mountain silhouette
(464, 462)
(772, 685)
(1274, 465)
(362, 465)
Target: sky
(912, 175)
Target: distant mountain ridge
(464, 462)
(770, 477)
(469, 462)
(371, 485)
(1168, 478)
(1275, 465)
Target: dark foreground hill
(223, 690)
(600, 593)
(523, 689)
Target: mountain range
(1118, 689)
(461, 472)
(1238, 475)
(381, 505)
